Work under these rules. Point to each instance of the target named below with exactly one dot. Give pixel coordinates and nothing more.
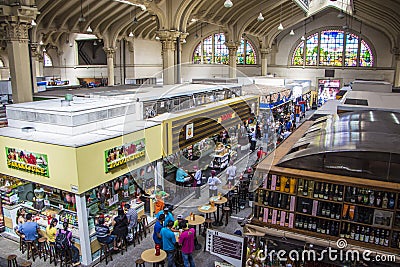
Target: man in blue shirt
(157, 230)
(29, 229)
(181, 176)
(169, 240)
(168, 216)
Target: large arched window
(334, 48)
(47, 60)
(212, 50)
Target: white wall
(148, 61)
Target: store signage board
(120, 155)
(228, 247)
(189, 131)
(26, 161)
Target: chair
(139, 263)
(25, 264)
(42, 248)
(31, 249)
(22, 244)
(145, 224)
(105, 252)
(12, 261)
(124, 245)
(65, 256)
(52, 253)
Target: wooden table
(207, 212)
(149, 256)
(218, 202)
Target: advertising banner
(120, 155)
(26, 161)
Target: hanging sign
(117, 156)
(23, 160)
(189, 131)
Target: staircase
(3, 118)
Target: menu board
(228, 247)
(31, 162)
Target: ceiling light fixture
(33, 23)
(291, 32)
(157, 38)
(340, 15)
(260, 17)
(89, 29)
(302, 38)
(228, 4)
(81, 18)
(41, 42)
(280, 27)
(143, 7)
(130, 34)
(44, 49)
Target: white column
(264, 61)
(396, 82)
(110, 65)
(232, 48)
(83, 225)
(168, 41)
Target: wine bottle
(328, 211)
(321, 191)
(305, 223)
(338, 212)
(287, 202)
(323, 210)
(301, 222)
(348, 194)
(333, 211)
(371, 236)
(287, 219)
(331, 192)
(296, 223)
(362, 234)
(328, 228)
(266, 198)
(340, 195)
(323, 228)
(319, 226)
(391, 201)
(353, 196)
(336, 193)
(279, 201)
(382, 238)
(287, 186)
(360, 195)
(310, 223)
(278, 184)
(385, 201)
(336, 229)
(343, 231)
(379, 200)
(371, 198)
(278, 219)
(377, 237)
(386, 242)
(316, 190)
(352, 233)
(348, 231)
(326, 193)
(305, 188)
(260, 214)
(357, 233)
(365, 198)
(367, 235)
(269, 216)
(269, 182)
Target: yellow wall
(90, 158)
(61, 162)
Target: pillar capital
(168, 38)
(16, 32)
(183, 36)
(109, 52)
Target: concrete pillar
(396, 82)
(16, 22)
(264, 61)
(232, 48)
(168, 41)
(20, 64)
(110, 65)
(83, 226)
(35, 54)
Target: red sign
(226, 116)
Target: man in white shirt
(231, 173)
(197, 178)
(213, 182)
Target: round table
(218, 202)
(149, 256)
(198, 220)
(208, 211)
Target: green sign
(27, 161)
(117, 156)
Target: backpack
(62, 240)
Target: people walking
(213, 182)
(197, 177)
(186, 240)
(231, 173)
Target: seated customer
(69, 245)
(30, 229)
(176, 226)
(103, 234)
(120, 224)
(51, 231)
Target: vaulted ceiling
(58, 18)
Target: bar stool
(139, 263)
(225, 212)
(65, 256)
(235, 203)
(124, 245)
(26, 264)
(12, 261)
(22, 244)
(105, 252)
(145, 224)
(31, 249)
(52, 253)
(42, 248)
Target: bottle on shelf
(305, 188)
(371, 198)
(362, 234)
(331, 192)
(310, 224)
(379, 200)
(367, 235)
(314, 225)
(391, 201)
(352, 233)
(305, 223)
(343, 230)
(348, 231)
(353, 195)
(266, 198)
(371, 236)
(279, 201)
(328, 210)
(278, 184)
(287, 186)
(316, 190)
(336, 193)
(348, 194)
(357, 233)
(377, 237)
(323, 228)
(321, 191)
(287, 220)
(269, 220)
(385, 201)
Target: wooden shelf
(318, 217)
(322, 200)
(368, 225)
(270, 207)
(276, 191)
(366, 206)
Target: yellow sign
(120, 155)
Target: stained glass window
(312, 50)
(333, 48)
(214, 50)
(366, 59)
(351, 50)
(47, 60)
